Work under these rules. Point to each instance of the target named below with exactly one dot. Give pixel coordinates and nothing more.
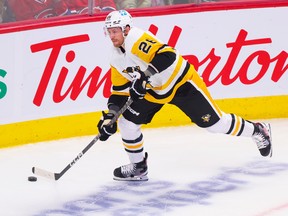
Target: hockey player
(153, 74)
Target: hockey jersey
(141, 48)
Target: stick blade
(44, 173)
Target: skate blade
(136, 178)
(270, 135)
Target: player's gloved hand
(138, 86)
(104, 128)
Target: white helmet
(120, 18)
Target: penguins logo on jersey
(206, 118)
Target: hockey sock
(134, 149)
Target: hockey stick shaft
(56, 176)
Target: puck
(32, 178)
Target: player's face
(116, 36)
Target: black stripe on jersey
(135, 151)
(133, 141)
(155, 95)
(232, 124)
(122, 87)
(242, 127)
(163, 60)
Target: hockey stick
(56, 176)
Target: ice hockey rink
(191, 172)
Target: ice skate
(263, 139)
(132, 171)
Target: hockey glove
(104, 128)
(138, 87)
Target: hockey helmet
(120, 18)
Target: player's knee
(222, 126)
(128, 129)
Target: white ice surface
(191, 172)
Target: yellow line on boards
(85, 124)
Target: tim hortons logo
(277, 64)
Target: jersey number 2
(145, 47)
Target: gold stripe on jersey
(166, 49)
(146, 47)
(120, 93)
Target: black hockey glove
(104, 129)
(138, 86)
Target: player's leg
(195, 101)
(237, 126)
(140, 112)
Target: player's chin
(117, 45)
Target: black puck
(32, 178)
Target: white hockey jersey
(140, 49)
